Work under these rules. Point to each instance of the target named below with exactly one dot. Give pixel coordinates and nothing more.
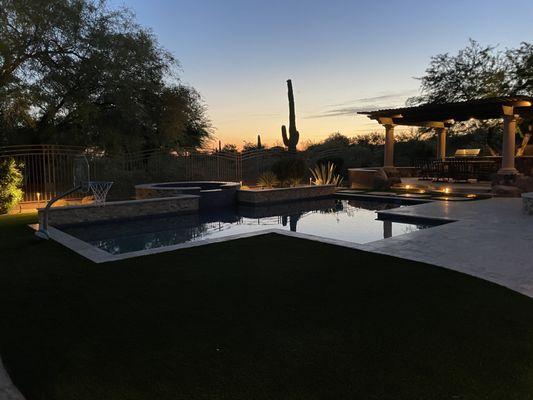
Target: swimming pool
(348, 220)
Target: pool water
(348, 220)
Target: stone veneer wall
(527, 201)
(280, 195)
(121, 210)
(153, 192)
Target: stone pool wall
(121, 210)
(280, 195)
(153, 192)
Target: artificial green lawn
(268, 317)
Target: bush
(289, 170)
(10, 183)
(324, 174)
(338, 163)
(268, 180)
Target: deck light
(38, 197)
(447, 190)
(408, 186)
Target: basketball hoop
(100, 189)
(82, 183)
(82, 180)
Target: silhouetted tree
(478, 72)
(76, 72)
(475, 72)
(520, 67)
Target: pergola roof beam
(458, 111)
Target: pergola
(440, 116)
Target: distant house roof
(448, 113)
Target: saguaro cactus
(292, 139)
(259, 146)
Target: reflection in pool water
(352, 221)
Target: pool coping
(8, 390)
(99, 256)
(489, 239)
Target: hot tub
(213, 194)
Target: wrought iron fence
(48, 169)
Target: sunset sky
(343, 56)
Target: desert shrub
(289, 170)
(338, 162)
(324, 174)
(268, 180)
(10, 185)
(293, 182)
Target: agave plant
(324, 174)
(268, 180)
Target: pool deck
(8, 390)
(465, 187)
(490, 239)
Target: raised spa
(212, 193)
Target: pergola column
(388, 161)
(509, 144)
(441, 143)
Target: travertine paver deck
(461, 187)
(8, 391)
(492, 239)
